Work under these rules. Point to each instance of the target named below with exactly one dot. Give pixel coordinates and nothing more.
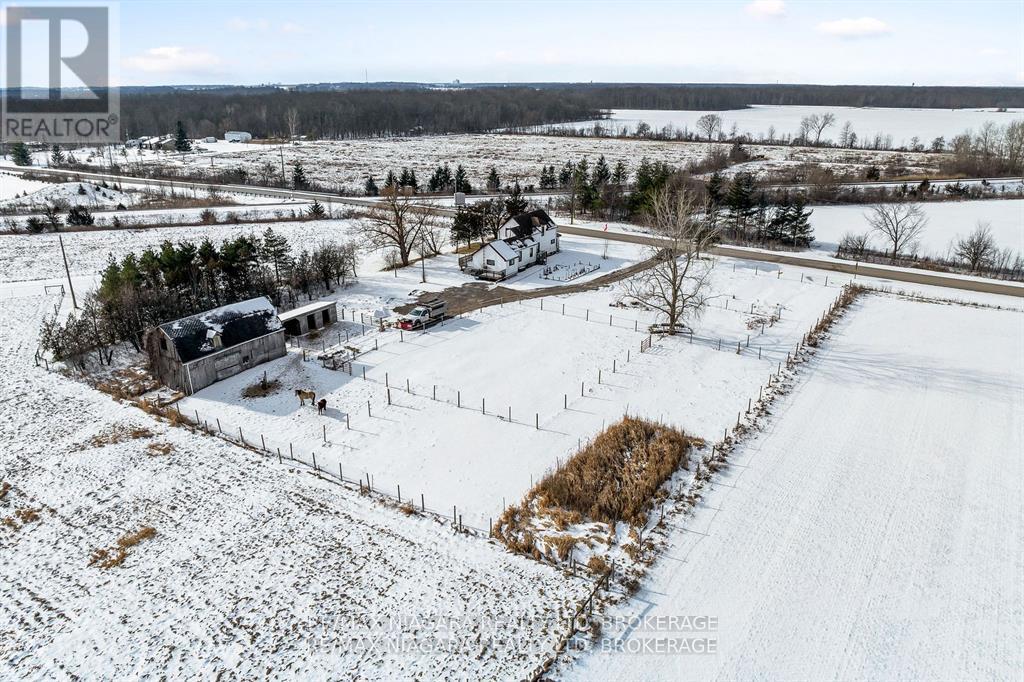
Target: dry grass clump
(127, 383)
(261, 389)
(119, 434)
(597, 565)
(109, 558)
(5, 488)
(26, 515)
(616, 476)
(157, 449)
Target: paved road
(898, 274)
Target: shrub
(615, 477)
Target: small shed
(191, 353)
(306, 318)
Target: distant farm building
(309, 317)
(191, 353)
(237, 136)
(526, 239)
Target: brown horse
(305, 395)
(321, 406)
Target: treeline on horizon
(419, 110)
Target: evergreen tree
(466, 226)
(274, 251)
(740, 201)
(370, 188)
(800, 231)
(316, 210)
(620, 176)
(413, 182)
(57, 156)
(461, 180)
(493, 180)
(391, 181)
(80, 215)
(601, 174)
(515, 202)
(299, 180)
(181, 142)
(20, 154)
(566, 174)
(714, 188)
(404, 180)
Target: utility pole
(67, 271)
(284, 182)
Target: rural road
(940, 279)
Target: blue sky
(928, 43)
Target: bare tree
(853, 245)
(978, 250)
(709, 124)
(292, 119)
(678, 285)
(900, 224)
(395, 223)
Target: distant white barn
(524, 240)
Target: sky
(763, 41)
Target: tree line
(180, 279)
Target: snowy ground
(866, 534)
(947, 221)
(256, 568)
(524, 358)
(901, 124)
(343, 165)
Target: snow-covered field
(947, 221)
(256, 569)
(343, 165)
(872, 531)
(901, 124)
(519, 357)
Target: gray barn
(191, 353)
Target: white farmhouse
(526, 239)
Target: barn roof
(235, 323)
(313, 307)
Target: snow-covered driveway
(874, 532)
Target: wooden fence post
(423, 504)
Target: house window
(245, 359)
(512, 262)
(163, 344)
(490, 261)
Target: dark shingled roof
(236, 323)
(524, 221)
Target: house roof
(524, 221)
(503, 249)
(236, 323)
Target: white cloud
(993, 52)
(766, 8)
(174, 59)
(865, 27)
(293, 28)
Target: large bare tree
(709, 124)
(900, 224)
(678, 285)
(978, 250)
(395, 222)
